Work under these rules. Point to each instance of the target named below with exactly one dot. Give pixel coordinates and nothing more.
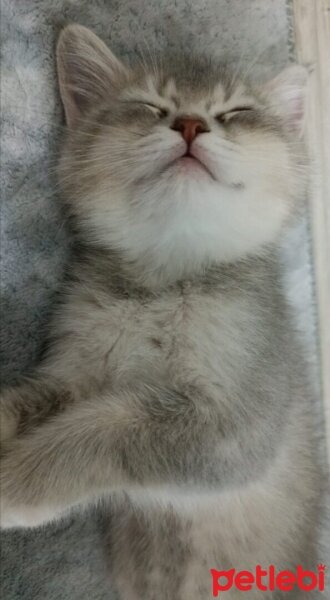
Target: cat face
(181, 165)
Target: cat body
(173, 383)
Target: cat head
(177, 164)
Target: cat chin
(175, 226)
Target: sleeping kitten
(174, 383)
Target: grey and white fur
(173, 383)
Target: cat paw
(21, 516)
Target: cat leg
(30, 403)
(94, 447)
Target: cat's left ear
(286, 95)
(88, 71)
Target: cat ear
(87, 71)
(286, 94)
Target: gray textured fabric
(53, 563)
(66, 561)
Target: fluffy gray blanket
(67, 560)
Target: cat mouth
(192, 163)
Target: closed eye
(157, 110)
(225, 116)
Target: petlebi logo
(268, 579)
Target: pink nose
(189, 127)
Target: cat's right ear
(87, 71)
(286, 94)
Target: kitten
(173, 383)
